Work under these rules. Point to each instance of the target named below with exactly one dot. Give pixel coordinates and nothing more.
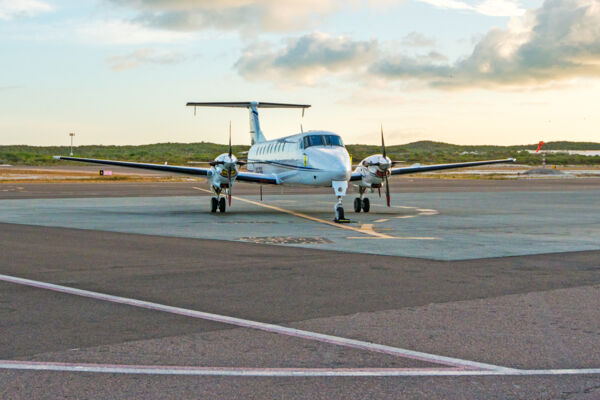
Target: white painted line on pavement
(277, 372)
(283, 330)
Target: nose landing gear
(339, 211)
(339, 187)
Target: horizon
(470, 72)
(346, 144)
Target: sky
(460, 71)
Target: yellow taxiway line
(366, 229)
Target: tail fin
(256, 133)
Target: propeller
(229, 169)
(385, 175)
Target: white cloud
(244, 15)
(306, 58)
(493, 8)
(129, 33)
(554, 43)
(10, 9)
(144, 56)
(416, 39)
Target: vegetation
(417, 152)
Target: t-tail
(256, 134)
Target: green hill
(421, 152)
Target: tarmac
(469, 289)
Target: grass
(426, 152)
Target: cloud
(551, 44)
(10, 9)
(558, 41)
(144, 56)
(306, 58)
(129, 33)
(245, 15)
(416, 39)
(493, 8)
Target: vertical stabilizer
(256, 134)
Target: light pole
(71, 134)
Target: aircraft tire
(339, 214)
(214, 204)
(357, 204)
(222, 204)
(366, 205)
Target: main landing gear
(217, 202)
(362, 203)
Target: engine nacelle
(225, 171)
(373, 170)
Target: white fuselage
(315, 158)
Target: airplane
(312, 158)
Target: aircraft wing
(155, 167)
(252, 177)
(413, 169)
(242, 176)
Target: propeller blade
(229, 190)
(229, 139)
(387, 191)
(382, 143)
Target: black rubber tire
(222, 204)
(340, 213)
(357, 204)
(214, 204)
(366, 205)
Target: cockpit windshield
(322, 140)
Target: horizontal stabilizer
(248, 104)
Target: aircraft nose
(339, 166)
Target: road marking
(277, 372)
(381, 220)
(283, 330)
(397, 237)
(309, 217)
